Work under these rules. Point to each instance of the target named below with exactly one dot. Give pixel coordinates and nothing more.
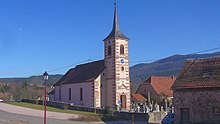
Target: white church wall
(87, 94)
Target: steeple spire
(115, 23)
(116, 33)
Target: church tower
(117, 81)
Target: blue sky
(39, 35)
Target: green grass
(84, 116)
(52, 109)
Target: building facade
(117, 67)
(156, 87)
(103, 83)
(82, 85)
(197, 91)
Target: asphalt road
(11, 118)
(17, 116)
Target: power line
(150, 60)
(67, 66)
(203, 51)
(187, 68)
(89, 60)
(139, 61)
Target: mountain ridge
(164, 67)
(169, 66)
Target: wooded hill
(138, 73)
(165, 67)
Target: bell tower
(117, 81)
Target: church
(103, 83)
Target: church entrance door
(123, 101)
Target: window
(122, 68)
(81, 94)
(216, 111)
(121, 50)
(69, 94)
(184, 115)
(207, 75)
(109, 49)
(60, 93)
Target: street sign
(119, 102)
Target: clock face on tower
(122, 61)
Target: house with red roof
(138, 98)
(157, 89)
(197, 92)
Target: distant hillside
(166, 67)
(33, 80)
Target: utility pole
(45, 76)
(132, 118)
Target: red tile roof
(138, 97)
(199, 73)
(162, 84)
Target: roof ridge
(89, 63)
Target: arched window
(121, 50)
(109, 50)
(122, 68)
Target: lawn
(85, 116)
(52, 109)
